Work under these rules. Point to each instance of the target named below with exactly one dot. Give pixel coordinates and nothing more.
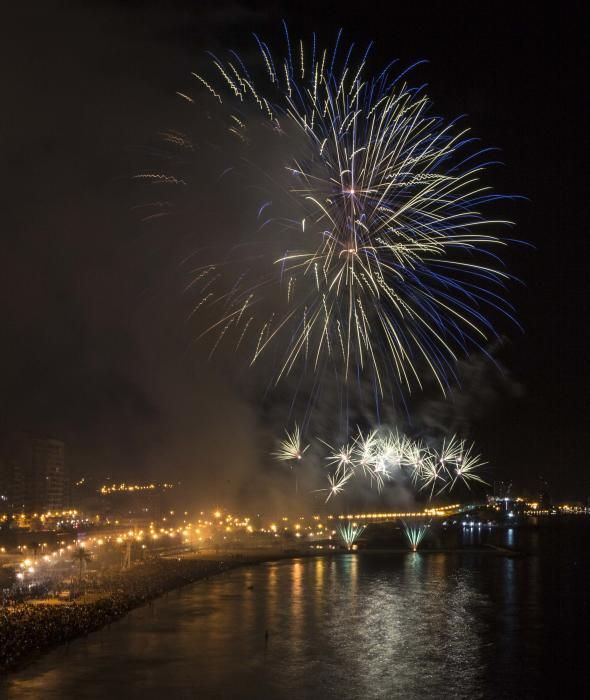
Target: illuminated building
(34, 474)
(130, 500)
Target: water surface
(425, 625)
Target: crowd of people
(28, 628)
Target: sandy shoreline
(32, 628)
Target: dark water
(430, 625)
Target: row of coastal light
(225, 523)
(564, 509)
(72, 516)
(228, 524)
(231, 523)
(427, 512)
(186, 532)
(312, 529)
(27, 566)
(193, 533)
(131, 488)
(42, 546)
(189, 534)
(50, 514)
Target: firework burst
(291, 448)
(382, 457)
(336, 482)
(341, 459)
(390, 264)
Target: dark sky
(96, 347)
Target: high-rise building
(33, 472)
(12, 460)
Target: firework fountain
(414, 533)
(350, 533)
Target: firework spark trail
(392, 264)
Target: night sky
(96, 346)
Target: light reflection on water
(348, 626)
